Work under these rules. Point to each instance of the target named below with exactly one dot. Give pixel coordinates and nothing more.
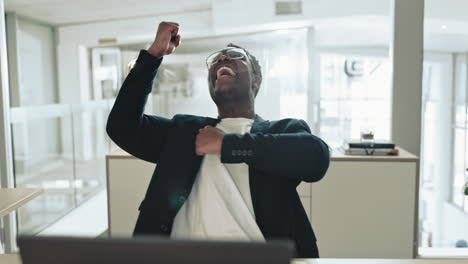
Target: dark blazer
(280, 154)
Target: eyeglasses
(232, 53)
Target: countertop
(336, 155)
(11, 199)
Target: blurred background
(326, 62)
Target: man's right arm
(142, 135)
(139, 134)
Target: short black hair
(257, 70)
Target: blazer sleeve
(139, 134)
(297, 154)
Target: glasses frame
(224, 52)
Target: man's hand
(209, 141)
(167, 39)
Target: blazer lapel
(259, 125)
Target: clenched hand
(167, 39)
(209, 141)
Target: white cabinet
(127, 181)
(365, 207)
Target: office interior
(397, 68)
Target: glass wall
(50, 158)
(57, 147)
(39, 164)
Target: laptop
(145, 250)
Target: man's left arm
(297, 154)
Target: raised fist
(167, 39)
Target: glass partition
(91, 144)
(60, 148)
(41, 162)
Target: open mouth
(225, 71)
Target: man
(233, 177)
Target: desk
(10, 259)
(365, 207)
(15, 259)
(11, 199)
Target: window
(443, 206)
(460, 131)
(355, 96)
(443, 157)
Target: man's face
(230, 76)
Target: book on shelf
(363, 148)
(374, 149)
(369, 152)
(379, 144)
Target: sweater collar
(259, 123)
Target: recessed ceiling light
(444, 27)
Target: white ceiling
(62, 12)
(445, 28)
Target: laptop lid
(143, 250)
